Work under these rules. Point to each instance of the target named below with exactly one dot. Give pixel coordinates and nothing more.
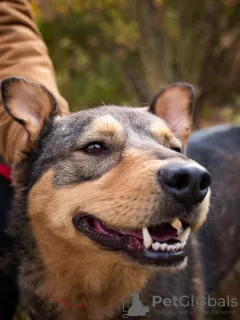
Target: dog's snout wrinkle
(188, 183)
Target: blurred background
(124, 52)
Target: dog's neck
(83, 287)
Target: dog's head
(111, 181)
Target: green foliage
(89, 69)
(123, 52)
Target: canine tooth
(147, 240)
(177, 224)
(184, 235)
(156, 246)
(163, 246)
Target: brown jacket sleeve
(22, 53)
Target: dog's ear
(174, 104)
(29, 104)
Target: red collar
(5, 172)
(69, 304)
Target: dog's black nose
(188, 183)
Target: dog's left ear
(174, 104)
(29, 104)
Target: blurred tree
(195, 41)
(89, 43)
(123, 51)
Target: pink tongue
(97, 225)
(167, 235)
(137, 234)
(160, 233)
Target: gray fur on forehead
(66, 130)
(128, 117)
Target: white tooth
(163, 246)
(184, 235)
(147, 240)
(177, 224)
(169, 248)
(183, 245)
(178, 246)
(156, 246)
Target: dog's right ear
(30, 104)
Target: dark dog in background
(190, 282)
(218, 150)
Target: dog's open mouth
(162, 244)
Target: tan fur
(107, 125)
(60, 246)
(163, 134)
(161, 131)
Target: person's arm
(22, 53)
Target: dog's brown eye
(94, 148)
(177, 149)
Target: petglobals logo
(190, 301)
(136, 307)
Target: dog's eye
(177, 149)
(94, 148)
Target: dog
(105, 201)
(218, 149)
